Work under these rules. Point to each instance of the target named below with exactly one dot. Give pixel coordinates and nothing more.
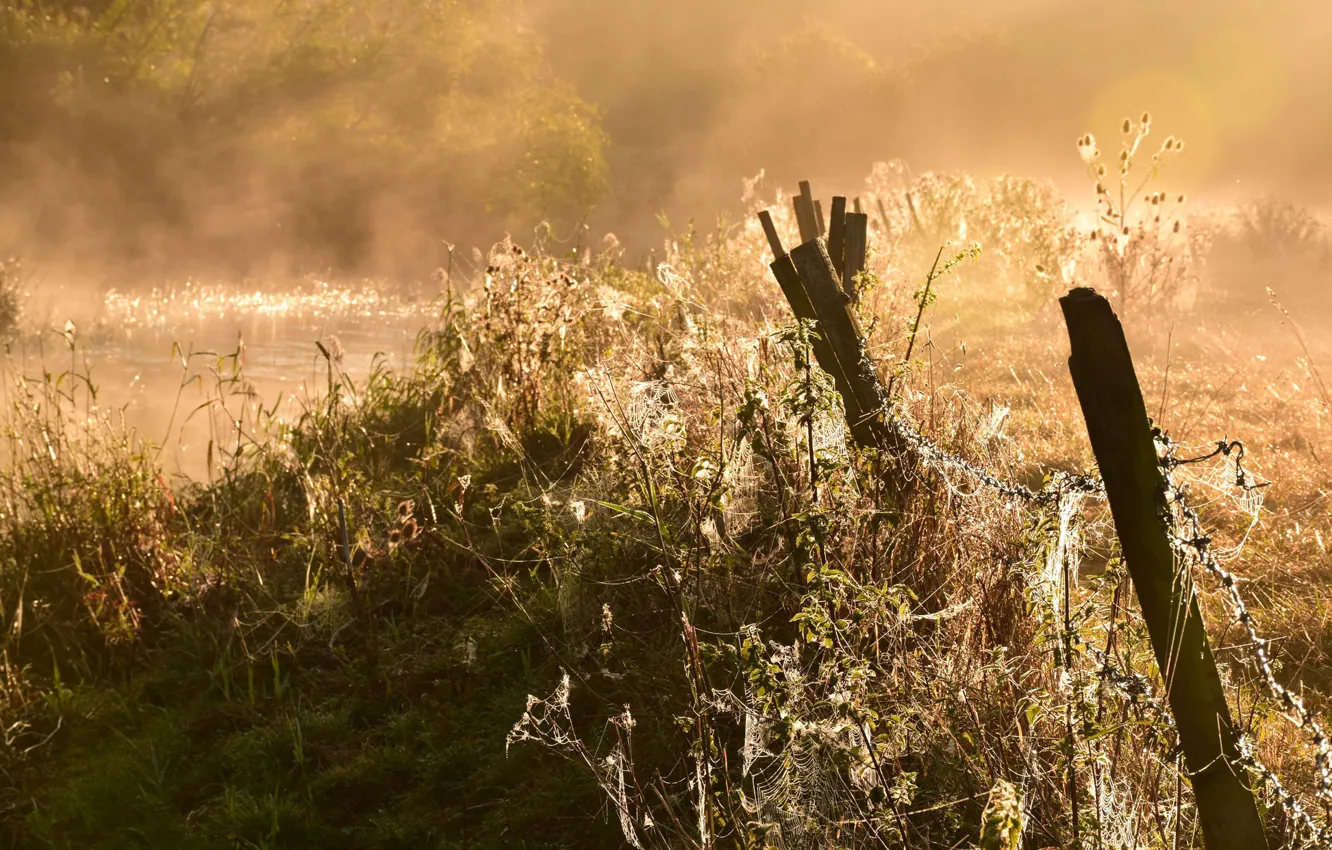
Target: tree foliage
(341, 130)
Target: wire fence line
(1193, 546)
(1190, 540)
(1061, 483)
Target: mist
(705, 93)
(151, 140)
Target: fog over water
(160, 358)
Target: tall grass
(629, 494)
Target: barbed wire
(1290, 804)
(1184, 525)
(1193, 546)
(1138, 689)
(1061, 483)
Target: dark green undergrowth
(315, 751)
(268, 712)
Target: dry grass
(625, 490)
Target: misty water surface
(136, 345)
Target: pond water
(136, 347)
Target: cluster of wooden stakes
(819, 279)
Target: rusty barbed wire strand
(1193, 547)
(1060, 484)
(1184, 525)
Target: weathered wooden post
(856, 252)
(837, 235)
(806, 219)
(1122, 440)
(784, 270)
(883, 217)
(813, 287)
(839, 322)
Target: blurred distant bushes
(353, 133)
(1272, 244)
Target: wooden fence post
(1122, 440)
(806, 218)
(839, 323)
(837, 235)
(784, 270)
(857, 252)
(812, 286)
(883, 218)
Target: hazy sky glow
(981, 86)
(674, 103)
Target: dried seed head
(1146, 118)
(1087, 148)
(1176, 225)
(1169, 143)
(1128, 125)
(1181, 199)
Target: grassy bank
(621, 491)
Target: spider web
(818, 777)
